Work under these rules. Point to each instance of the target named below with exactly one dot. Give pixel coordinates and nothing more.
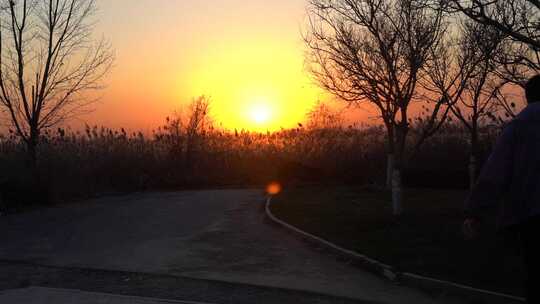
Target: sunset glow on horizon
(260, 113)
(247, 56)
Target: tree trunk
(389, 170)
(31, 150)
(397, 182)
(32, 154)
(390, 161)
(397, 197)
(472, 172)
(191, 142)
(472, 157)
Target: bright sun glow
(241, 59)
(260, 113)
(255, 85)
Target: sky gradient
(245, 55)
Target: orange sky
(246, 55)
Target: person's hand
(471, 228)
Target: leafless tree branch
(48, 62)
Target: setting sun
(190, 137)
(260, 113)
(234, 60)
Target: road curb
(389, 272)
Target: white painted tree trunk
(472, 171)
(397, 207)
(389, 170)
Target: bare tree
(517, 19)
(322, 116)
(197, 123)
(375, 51)
(478, 101)
(495, 52)
(48, 61)
(185, 127)
(462, 69)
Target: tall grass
(79, 164)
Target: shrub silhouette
(98, 160)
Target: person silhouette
(512, 175)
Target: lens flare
(273, 188)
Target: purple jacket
(512, 172)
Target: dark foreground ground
(427, 240)
(21, 275)
(148, 244)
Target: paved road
(40, 295)
(219, 235)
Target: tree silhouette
(466, 72)
(322, 116)
(519, 20)
(516, 18)
(376, 51)
(48, 61)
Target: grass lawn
(427, 240)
